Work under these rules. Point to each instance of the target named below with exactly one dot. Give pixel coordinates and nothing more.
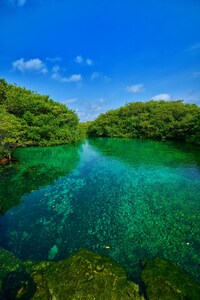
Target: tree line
(152, 119)
(28, 118)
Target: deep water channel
(126, 198)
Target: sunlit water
(128, 199)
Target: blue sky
(97, 55)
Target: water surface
(126, 198)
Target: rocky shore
(88, 275)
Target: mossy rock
(22, 279)
(42, 292)
(18, 285)
(163, 280)
(8, 263)
(87, 275)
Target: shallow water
(126, 198)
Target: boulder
(85, 275)
(53, 252)
(164, 280)
(88, 275)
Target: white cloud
(53, 59)
(97, 75)
(165, 97)
(96, 107)
(90, 109)
(72, 78)
(34, 64)
(135, 88)
(75, 77)
(71, 100)
(80, 60)
(57, 76)
(91, 116)
(89, 62)
(85, 116)
(101, 100)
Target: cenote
(125, 198)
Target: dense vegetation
(28, 118)
(152, 119)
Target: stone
(52, 252)
(88, 275)
(78, 278)
(164, 280)
(85, 275)
(18, 285)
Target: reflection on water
(147, 152)
(36, 167)
(128, 199)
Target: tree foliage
(10, 132)
(33, 119)
(152, 119)
(29, 118)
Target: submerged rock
(15, 281)
(18, 285)
(164, 280)
(53, 252)
(85, 275)
(8, 263)
(88, 275)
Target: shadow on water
(36, 167)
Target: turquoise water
(126, 198)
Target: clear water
(126, 198)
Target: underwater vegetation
(88, 275)
(35, 167)
(126, 199)
(164, 280)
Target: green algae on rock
(8, 263)
(18, 285)
(164, 280)
(88, 275)
(85, 275)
